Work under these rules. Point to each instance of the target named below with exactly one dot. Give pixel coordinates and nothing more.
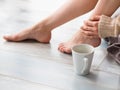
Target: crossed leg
(42, 31)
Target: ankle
(42, 26)
(47, 24)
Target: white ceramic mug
(82, 58)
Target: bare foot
(38, 32)
(78, 38)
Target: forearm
(69, 11)
(106, 7)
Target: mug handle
(85, 66)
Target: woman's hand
(90, 26)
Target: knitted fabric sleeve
(109, 27)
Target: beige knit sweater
(109, 27)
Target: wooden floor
(30, 65)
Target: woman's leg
(82, 36)
(42, 31)
(106, 7)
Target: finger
(88, 33)
(95, 18)
(91, 23)
(88, 28)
